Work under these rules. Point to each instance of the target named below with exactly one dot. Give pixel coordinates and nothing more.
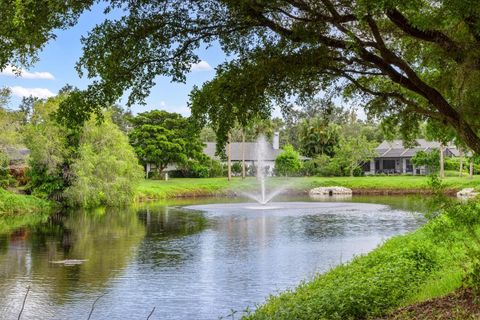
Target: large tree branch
(394, 95)
(447, 44)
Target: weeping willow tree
(85, 166)
(107, 169)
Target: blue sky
(56, 68)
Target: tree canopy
(318, 137)
(163, 138)
(404, 61)
(352, 152)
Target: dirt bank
(462, 304)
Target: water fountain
(262, 172)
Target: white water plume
(262, 149)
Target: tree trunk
(229, 158)
(461, 162)
(243, 153)
(471, 168)
(442, 162)
(147, 169)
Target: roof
(16, 154)
(396, 149)
(250, 151)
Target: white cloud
(41, 93)
(11, 71)
(201, 66)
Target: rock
(330, 191)
(467, 193)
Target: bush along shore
(441, 257)
(18, 210)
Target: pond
(187, 259)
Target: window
(389, 164)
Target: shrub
(460, 222)
(453, 164)
(288, 162)
(322, 166)
(237, 168)
(252, 170)
(216, 169)
(199, 171)
(5, 177)
(12, 205)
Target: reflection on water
(189, 264)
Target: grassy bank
(158, 189)
(430, 262)
(18, 210)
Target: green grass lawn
(183, 187)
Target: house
(269, 152)
(392, 157)
(16, 155)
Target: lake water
(187, 259)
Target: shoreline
(303, 192)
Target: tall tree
(405, 61)
(318, 137)
(163, 138)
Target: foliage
(50, 151)
(10, 137)
(351, 152)
(81, 166)
(5, 177)
(106, 170)
(429, 159)
(12, 204)
(26, 27)
(324, 166)
(161, 138)
(318, 137)
(10, 125)
(453, 163)
(216, 169)
(465, 219)
(237, 168)
(120, 117)
(207, 134)
(403, 61)
(288, 161)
